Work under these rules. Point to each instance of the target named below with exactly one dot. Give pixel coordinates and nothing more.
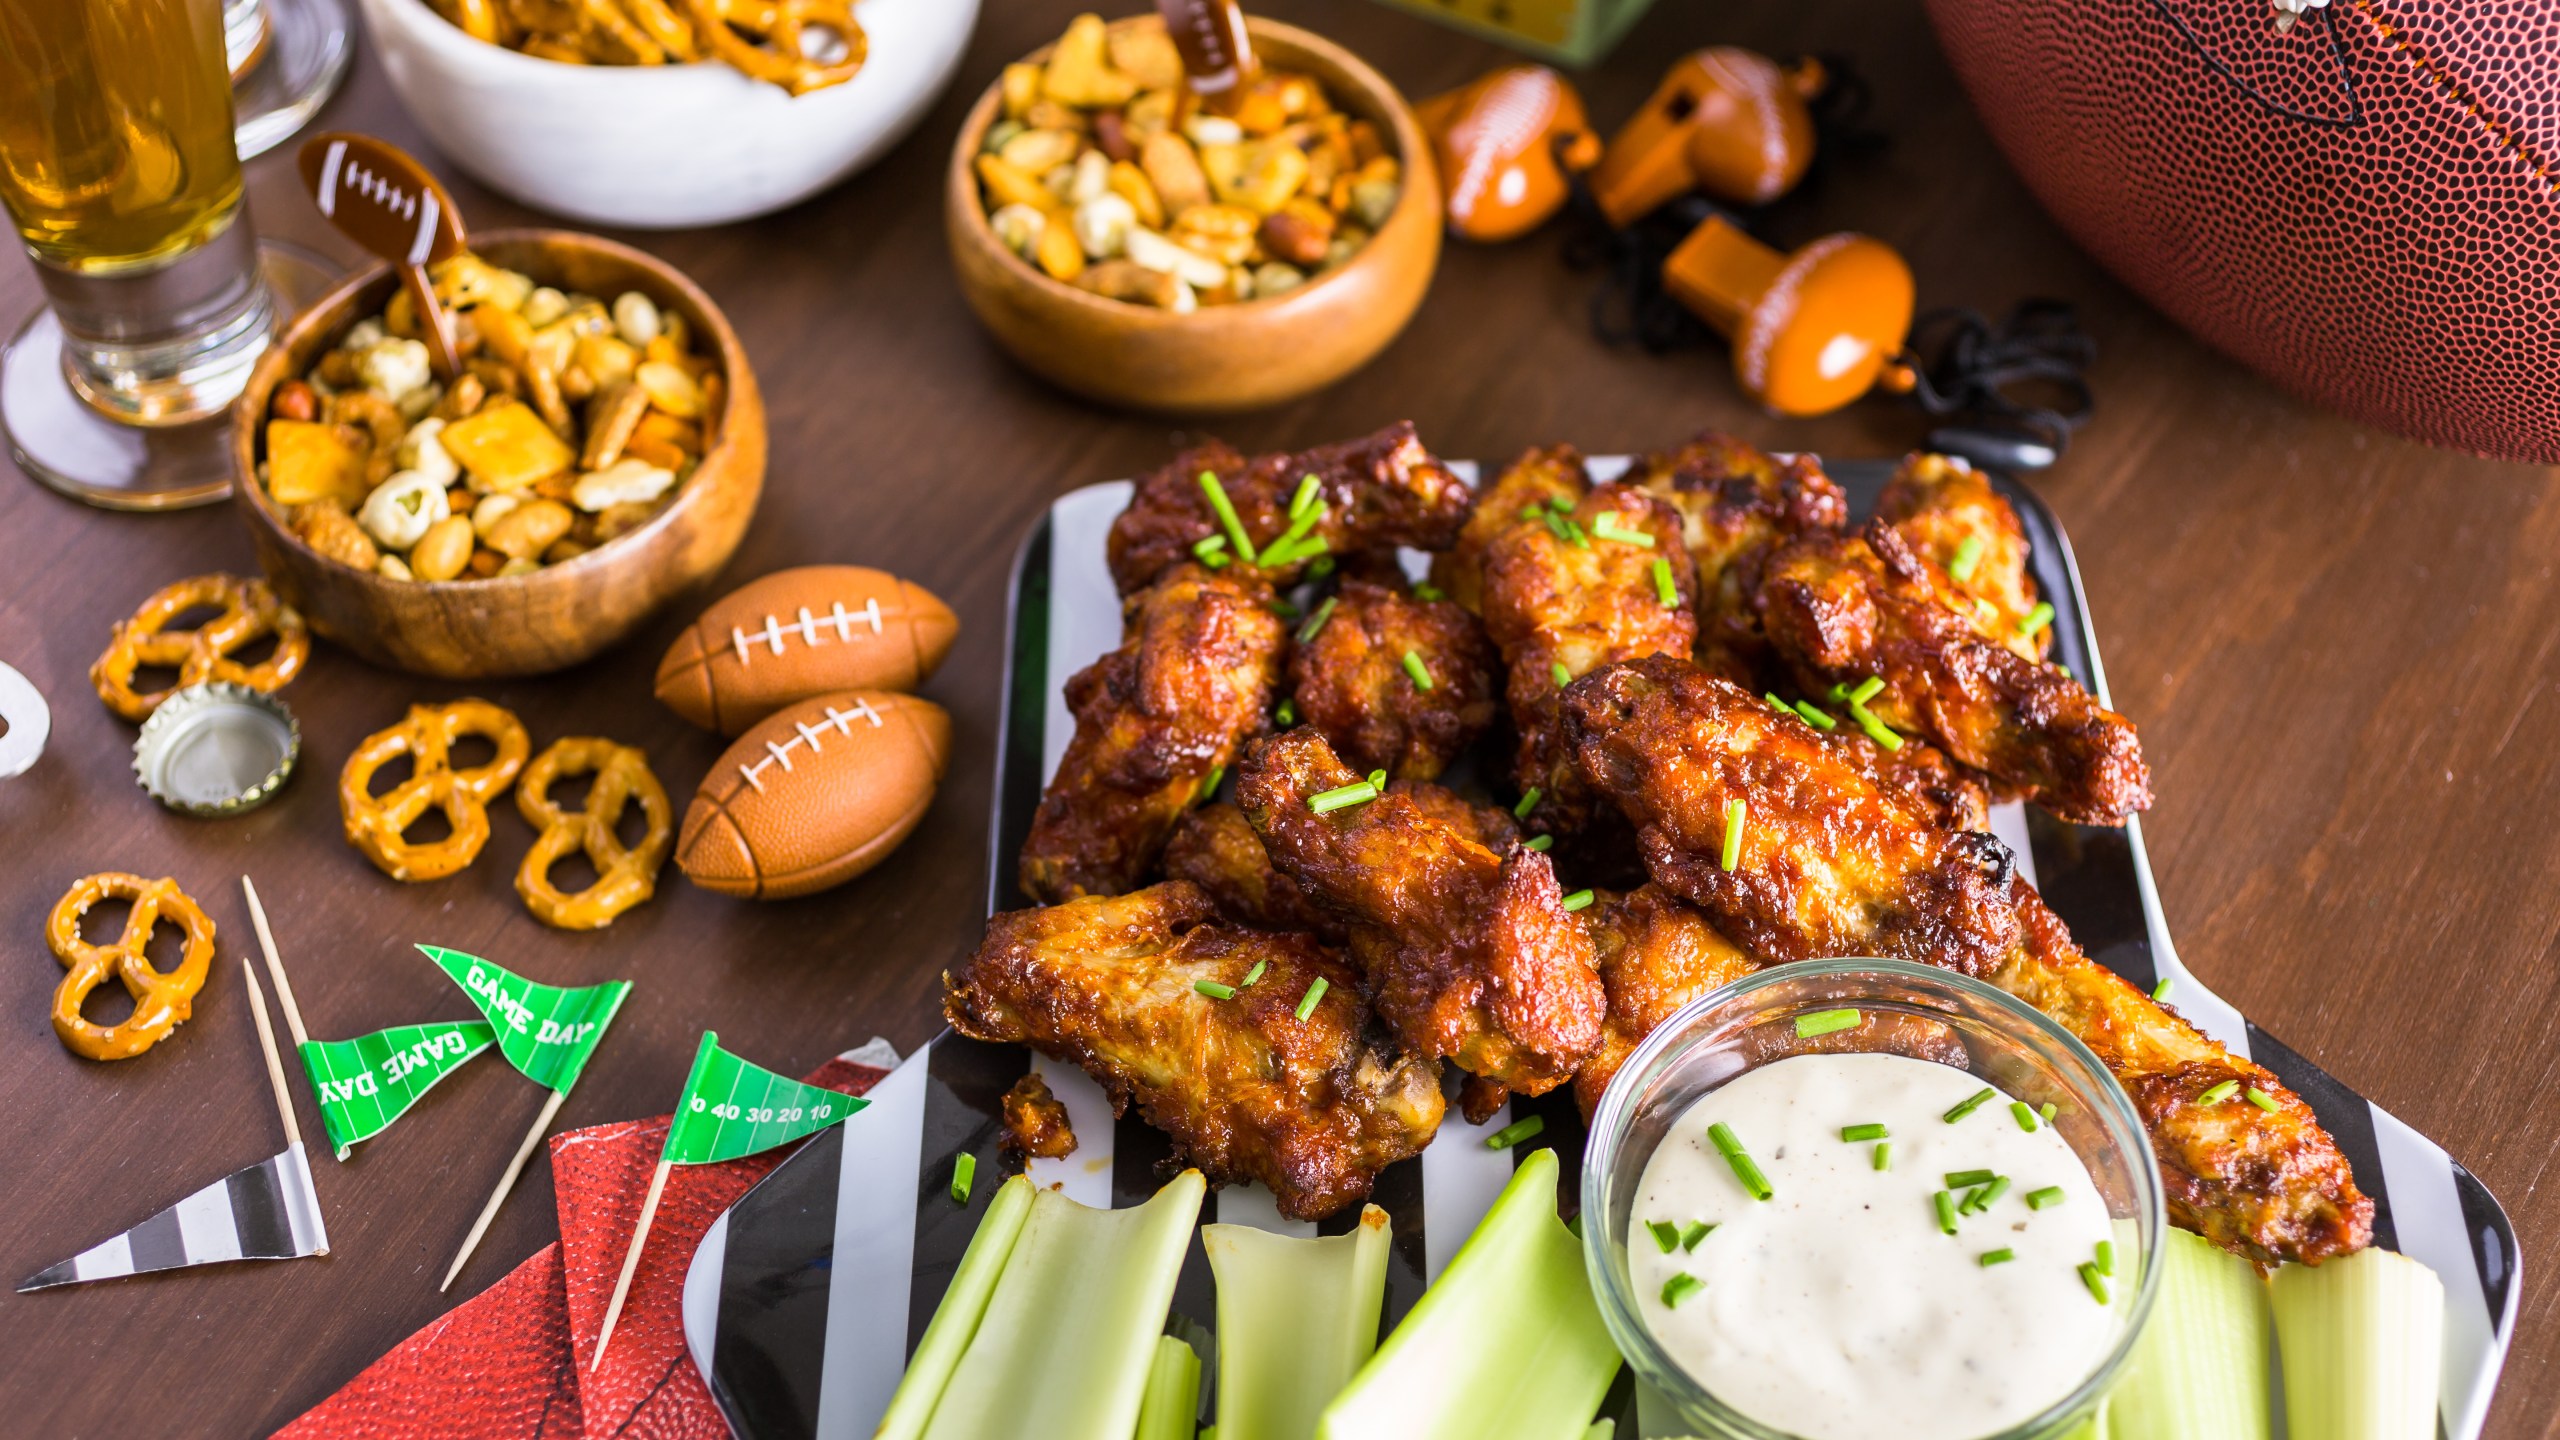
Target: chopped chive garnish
(1286, 715)
(1559, 502)
(1826, 1022)
(1579, 899)
(1555, 526)
(2097, 1283)
(1208, 545)
(2065, 669)
(1315, 993)
(1254, 974)
(1289, 552)
(1515, 1132)
(1215, 990)
(2161, 990)
(1315, 622)
(964, 1176)
(1425, 590)
(2219, 1093)
(2262, 1099)
(1531, 512)
(1838, 694)
(1744, 1170)
(1733, 818)
(1210, 782)
(1946, 1205)
(1378, 781)
(1991, 1193)
(1215, 560)
(1663, 589)
(1680, 1287)
(1815, 716)
(1968, 555)
(2001, 1256)
(1562, 676)
(2048, 1196)
(1877, 730)
(1972, 1200)
(1344, 797)
(2106, 1261)
(1867, 690)
(1606, 526)
(1308, 489)
(1698, 1230)
(1665, 1234)
(1772, 697)
(1884, 1154)
(1420, 672)
(1538, 842)
(1322, 567)
(1970, 1104)
(2037, 619)
(1872, 1130)
(2047, 1111)
(1573, 534)
(1528, 802)
(1231, 522)
(2026, 1115)
(1967, 1179)
(1284, 609)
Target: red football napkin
(496, 1367)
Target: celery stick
(1171, 1408)
(2363, 1341)
(1508, 1343)
(1296, 1320)
(1070, 1333)
(956, 1319)
(2200, 1367)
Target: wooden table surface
(2335, 642)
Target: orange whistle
(1810, 331)
(1728, 121)
(1506, 142)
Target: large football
(2365, 207)
(814, 795)
(797, 633)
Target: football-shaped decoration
(814, 795)
(2361, 205)
(797, 633)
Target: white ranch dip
(1839, 1309)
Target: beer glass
(286, 57)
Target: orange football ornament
(815, 795)
(801, 632)
(1810, 331)
(1727, 121)
(1507, 143)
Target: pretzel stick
(275, 1067)
(275, 967)
(506, 1183)
(631, 1261)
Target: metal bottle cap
(216, 749)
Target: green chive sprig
(1211, 550)
(2026, 1116)
(1884, 1155)
(1315, 623)
(1286, 715)
(1228, 519)
(1253, 974)
(2036, 619)
(1419, 672)
(2001, 1256)
(2049, 1196)
(1968, 554)
(1578, 900)
(1946, 1208)
(2219, 1093)
(1215, 989)
(1528, 802)
(1734, 814)
(1665, 1234)
(2161, 990)
(1663, 588)
(1815, 716)
(1606, 526)
(1826, 1022)
(1680, 1287)
(1697, 1230)
(964, 1176)
(2262, 1099)
(1867, 690)
(1872, 1130)
(1969, 1104)
(2096, 1282)
(1537, 842)
(1359, 792)
(1744, 1168)
(1967, 1179)
(1315, 993)
(1527, 1128)
(1560, 675)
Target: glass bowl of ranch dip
(1843, 1199)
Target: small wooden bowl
(1224, 357)
(560, 614)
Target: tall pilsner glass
(117, 165)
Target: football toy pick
(386, 202)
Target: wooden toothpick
(506, 1183)
(275, 1066)
(275, 966)
(631, 1260)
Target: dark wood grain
(2340, 646)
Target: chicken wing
(1736, 503)
(1841, 608)
(1562, 599)
(1312, 1108)
(1396, 683)
(1951, 517)
(1376, 492)
(1831, 864)
(1216, 848)
(1656, 953)
(1469, 954)
(1191, 680)
(1541, 476)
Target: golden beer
(116, 147)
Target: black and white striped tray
(802, 1302)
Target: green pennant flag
(732, 1108)
(545, 1031)
(366, 1083)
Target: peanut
(444, 550)
(528, 529)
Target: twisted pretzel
(376, 825)
(624, 878)
(250, 612)
(161, 998)
(770, 40)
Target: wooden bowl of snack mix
(602, 450)
(1235, 262)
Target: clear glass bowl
(1751, 1023)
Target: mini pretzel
(769, 39)
(624, 878)
(376, 824)
(250, 612)
(161, 998)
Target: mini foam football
(797, 633)
(814, 795)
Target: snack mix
(572, 422)
(1104, 174)
(800, 45)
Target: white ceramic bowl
(662, 146)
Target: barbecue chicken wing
(1949, 515)
(1377, 492)
(1736, 503)
(1469, 954)
(1312, 1108)
(1831, 864)
(1192, 679)
(1217, 849)
(1657, 953)
(1841, 608)
(1536, 481)
(1560, 600)
(1353, 679)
